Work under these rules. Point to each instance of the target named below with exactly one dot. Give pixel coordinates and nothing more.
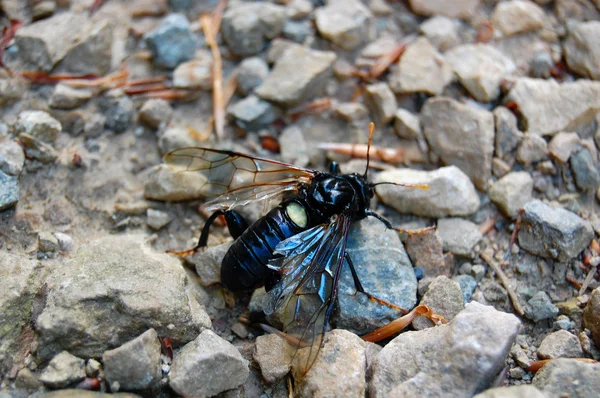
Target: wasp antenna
(371, 132)
(424, 187)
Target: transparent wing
(310, 266)
(234, 179)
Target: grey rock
(560, 344)
(384, 270)
(67, 97)
(195, 74)
(43, 9)
(293, 147)
(480, 69)
(426, 251)
(562, 145)
(176, 137)
(439, 360)
(94, 126)
(253, 113)
(407, 125)
(296, 31)
(339, 370)
(207, 263)
(548, 107)
(278, 48)
(522, 391)
(92, 51)
(155, 112)
(541, 65)
(38, 150)
(441, 31)
(421, 69)
(9, 190)
(28, 381)
(444, 297)
(351, 111)
(520, 357)
(246, 27)
(459, 236)
(576, 10)
(518, 17)
(63, 369)
(500, 168)
(554, 233)
(207, 366)
(12, 157)
(38, 124)
(460, 135)
(568, 377)
(347, 24)
(251, 73)
(119, 112)
(165, 184)
(156, 219)
(591, 316)
(512, 192)
(11, 90)
(172, 42)
(463, 9)
(540, 307)
(134, 365)
(92, 368)
(582, 49)
(22, 277)
(533, 148)
(450, 193)
(78, 393)
(99, 290)
(584, 168)
(381, 101)
(299, 9)
(299, 75)
(47, 242)
(467, 284)
(273, 355)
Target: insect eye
(297, 214)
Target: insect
(297, 249)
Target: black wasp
(297, 249)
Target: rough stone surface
(467, 284)
(247, 26)
(591, 316)
(584, 169)
(426, 251)
(176, 137)
(253, 113)
(582, 49)
(119, 112)
(99, 289)
(518, 16)
(407, 125)
(540, 307)
(156, 219)
(480, 69)
(63, 370)
(339, 370)
(293, 146)
(512, 192)
(381, 101)
(12, 157)
(166, 184)
(207, 366)
(273, 356)
(194, 74)
(384, 270)
(459, 236)
(532, 149)
(251, 73)
(155, 112)
(441, 31)
(38, 124)
(568, 377)
(441, 361)
(299, 74)
(461, 135)
(37, 149)
(508, 135)
(444, 297)
(421, 69)
(135, 365)
(450, 192)
(560, 344)
(66, 97)
(9, 190)
(172, 42)
(522, 391)
(345, 23)
(463, 9)
(548, 107)
(554, 233)
(562, 145)
(208, 263)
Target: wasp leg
(360, 289)
(397, 325)
(334, 168)
(388, 224)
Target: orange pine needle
(399, 324)
(386, 60)
(537, 365)
(317, 106)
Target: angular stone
(351, 111)
(63, 369)
(119, 112)
(9, 190)
(381, 101)
(156, 219)
(207, 366)
(293, 147)
(208, 263)
(11, 90)
(540, 307)
(444, 297)
(92, 51)
(165, 184)
(508, 135)
(441, 31)
(38, 124)
(560, 344)
(562, 145)
(155, 112)
(196, 73)
(346, 23)
(533, 148)
(467, 284)
(47, 242)
(591, 316)
(251, 73)
(450, 193)
(568, 378)
(384, 270)
(253, 113)
(512, 192)
(461, 135)
(247, 26)
(299, 75)
(548, 107)
(518, 17)
(421, 69)
(273, 356)
(172, 42)
(426, 251)
(463, 9)
(439, 361)
(174, 138)
(297, 31)
(459, 236)
(584, 169)
(98, 290)
(576, 10)
(38, 150)
(67, 97)
(407, 125)
(554, 233)
(12, 157)
(582, 49)
(480, 69)
(522, 391)
(135, 365)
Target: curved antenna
(424, 187)
(371, 132)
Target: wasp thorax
(297, 214)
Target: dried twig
(388, 155)
(487, 225)
(95, 6)
(141, 81)
(7, 35)
(38, 77)
(317, 106)
(399, 324)
(229, 90)
(386, 60)
(505, 282)
(168, 94)
(146, 88)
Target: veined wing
(310, 269)
(235, 179)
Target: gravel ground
(494, 104)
